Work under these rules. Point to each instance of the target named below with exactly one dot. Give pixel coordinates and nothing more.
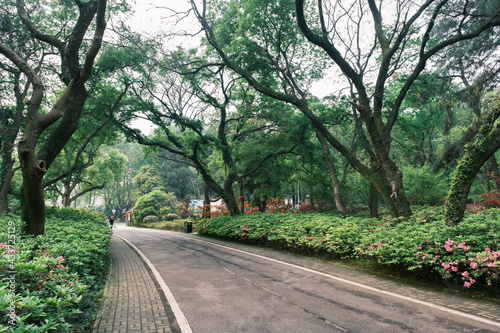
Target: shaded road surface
(220, 289)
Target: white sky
(154, 15)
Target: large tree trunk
(230, 199)
(32, 198)
(339, 202)
(476, 153)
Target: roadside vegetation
(239, 106)
(52, 283)
(422, 248)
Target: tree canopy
(410, 113)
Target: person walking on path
(111, 221)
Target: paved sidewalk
(131, 302)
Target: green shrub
(464, 256)
(149, 204)
(58, 276)
(176, 225)
(150, 219)
(171, 217)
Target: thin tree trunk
(373, 203)
(241, 196)
(206, 201)
(7, 145)
(494, 171)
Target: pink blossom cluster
(10, 249)
(374, 244)
(477, 265)
(449, 243)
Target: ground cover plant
(463, 256)
(52, 283)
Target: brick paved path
(131, 302)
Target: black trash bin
(188, 227)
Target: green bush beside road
(463, 256)
(53, 282)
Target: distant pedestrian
(111, 221)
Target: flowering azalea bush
(52, 282)
(464, 256)
(469, 266)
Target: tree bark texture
(476, 153)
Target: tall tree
(391, 49)
(76, 58)
(465, 20)
(200, 116)
(275, 60)
(484, 144)
(13, 91)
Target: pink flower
(449, 242)
(465, 274)
(473, 265)
(466, 284)
(445, 266)
(462, 246)
(243, 234)
(447, 247)
(491, 264)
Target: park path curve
(158, 245)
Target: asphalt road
(220, 289)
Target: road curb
(179, 315)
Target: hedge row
(53, 282)
(464, 256)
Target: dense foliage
(53, 282)
(464, 256)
